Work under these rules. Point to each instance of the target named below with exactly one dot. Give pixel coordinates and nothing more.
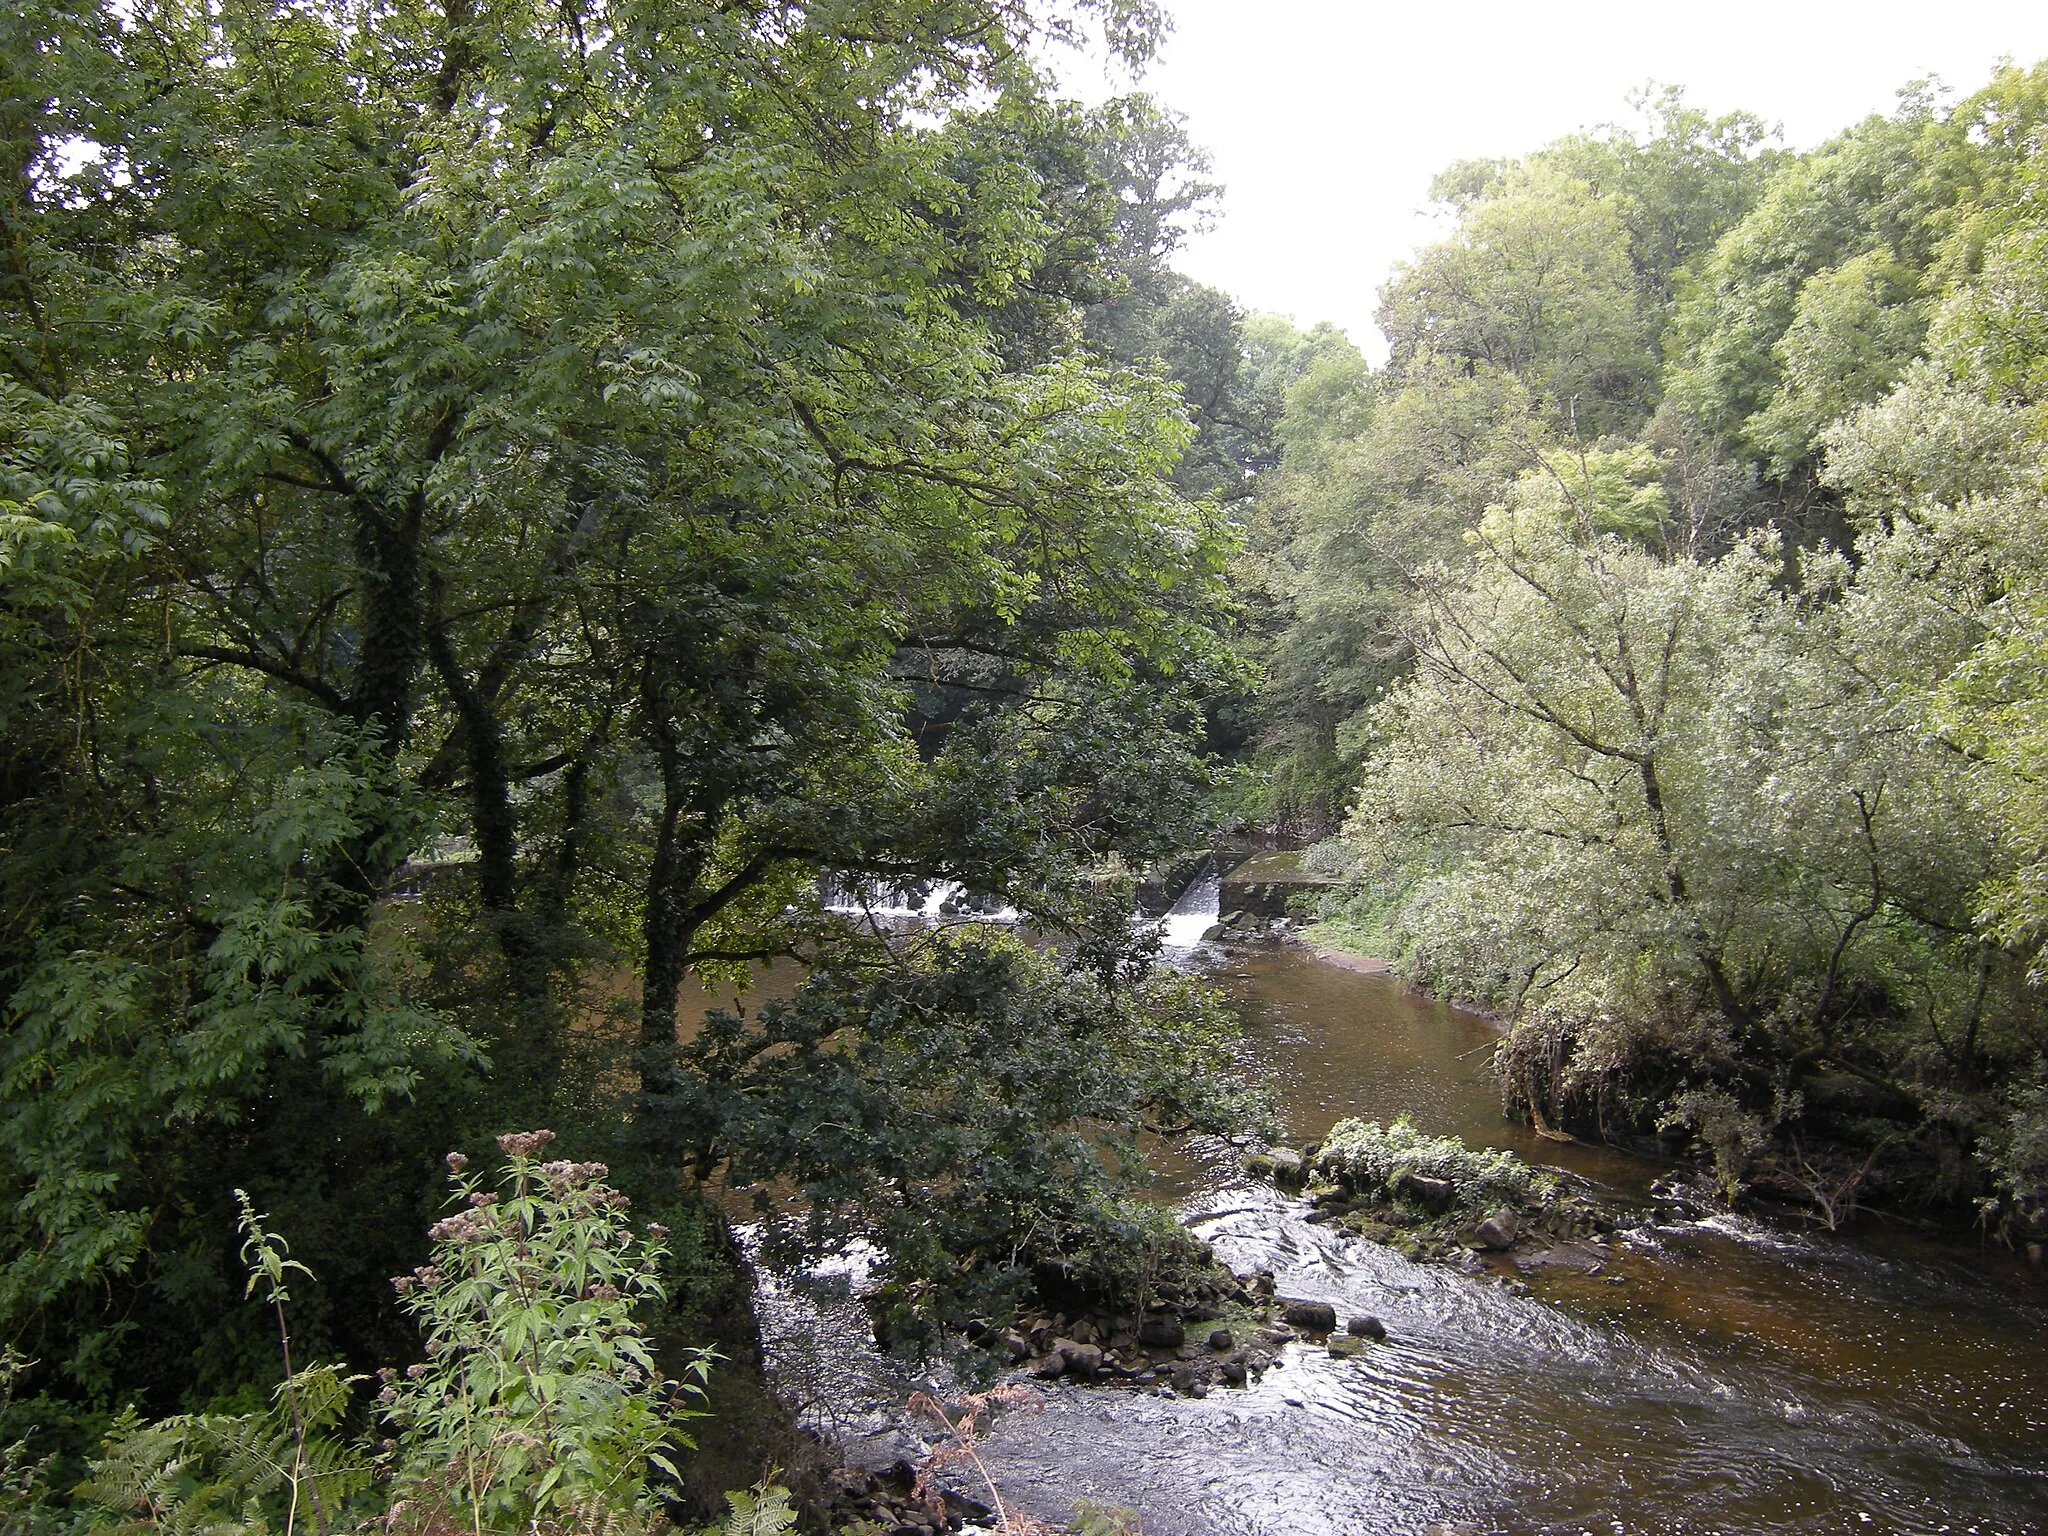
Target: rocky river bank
(1633, 1361)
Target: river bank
(1717, 1374)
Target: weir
(918, 901)
(1195, 913)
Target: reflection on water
(1660, 1410)
(1333, 1043)
(1737, 1379)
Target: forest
(499, 502)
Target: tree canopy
(1660, 618)
(498, 501)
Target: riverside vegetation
(1659, 632)
(498, 500)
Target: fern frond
(323, 1394)
(763, 1510)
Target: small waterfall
(927, 901)
(1196, 911)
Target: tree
(1536, 284)
(1814, 303)
(1681, 181)
(568, 463)
(1678, 823)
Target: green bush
(538, 1409)
(539, 1400)
(1371, 1159)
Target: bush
(537, 1411)
(1371, 1159)
(539, 1401)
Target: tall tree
(538, 455)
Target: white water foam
(929, 901)
(1195, 913)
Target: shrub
(539, 1402)
(1372, 1159)
(282, 1468)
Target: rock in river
(1498, 1231)
(1082, 1360)
(1311, 1316)
(1431, 1194)
(1367, 1327)
(1162, 1332)
(1287, 1165)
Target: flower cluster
(564, 1176)
(518, 1144)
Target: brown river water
(1717, 1376)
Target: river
(1715, 1376)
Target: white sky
(1327, 119)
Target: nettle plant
(539, 1403)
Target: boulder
(1046, 1367)
(1344, 1347)
(1162, 1332)
(1082, 1360)
(1498, 1231)
(1311, 1316)
(1432, 1194)
(1221, 1340)
(1018, 1347)
(1365, 1227)
(1288, 1167)
(1366, 1327)
(1233, 1370)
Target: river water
(1717, 1376)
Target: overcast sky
(1327, 119)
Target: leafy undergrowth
(1431, 1198)
(538, 1409)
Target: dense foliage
(538, 1407)
(497, 501)
(1667, 611)
(1373, 1159)
(494, 502)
